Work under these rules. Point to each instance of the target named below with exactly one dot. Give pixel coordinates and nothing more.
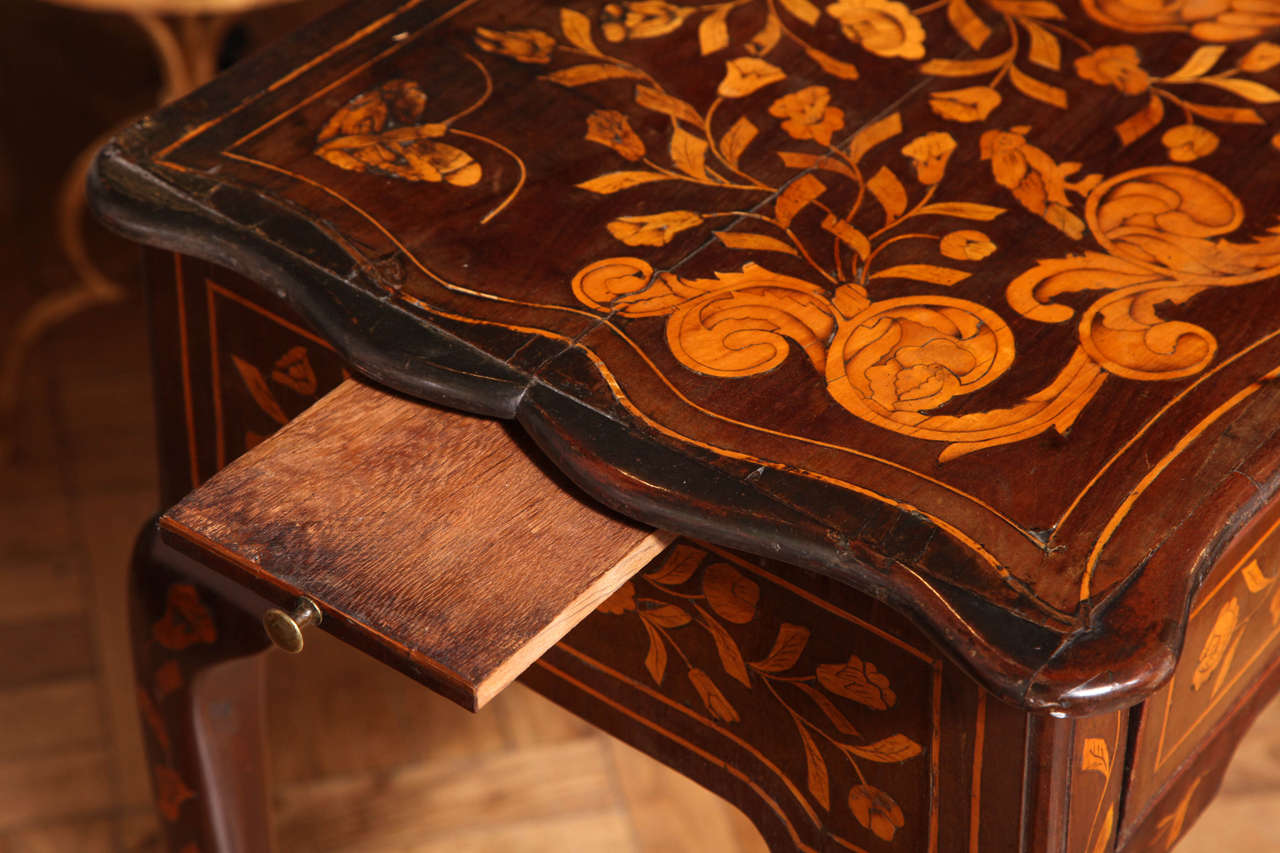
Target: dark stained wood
(232, 365)
(427, 532)
(680, 257)
(196, 644)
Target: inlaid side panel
(823, 713)
(1164, 820)
(232, 365)
(1231, 640)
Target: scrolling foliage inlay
(891, 361)
(690, 597)
(1151, 236)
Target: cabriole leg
(199, 673)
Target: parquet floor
(362, 758)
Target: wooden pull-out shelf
(426, 536)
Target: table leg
(199, 674)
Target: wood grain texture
(948, 311)
(430, 532)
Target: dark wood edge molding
(138, 205)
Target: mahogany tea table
(941, 336)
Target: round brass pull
(285, 629)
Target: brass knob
(285, 629)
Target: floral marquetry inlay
(382, 132)
(949, 296)
(890, 361)
(699, 621)
(943, 228)
(1148, 237)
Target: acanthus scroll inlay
(892, 360)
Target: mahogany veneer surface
(969, 304)
(427, 532)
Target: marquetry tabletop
(970, 303)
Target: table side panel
(232, 364)
(1232, 642)
(830, 720)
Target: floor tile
(91, 835)
(690, 818)
(334, 688)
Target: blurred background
(362, 758)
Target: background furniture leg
(187, 48)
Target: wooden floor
(363, 759)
